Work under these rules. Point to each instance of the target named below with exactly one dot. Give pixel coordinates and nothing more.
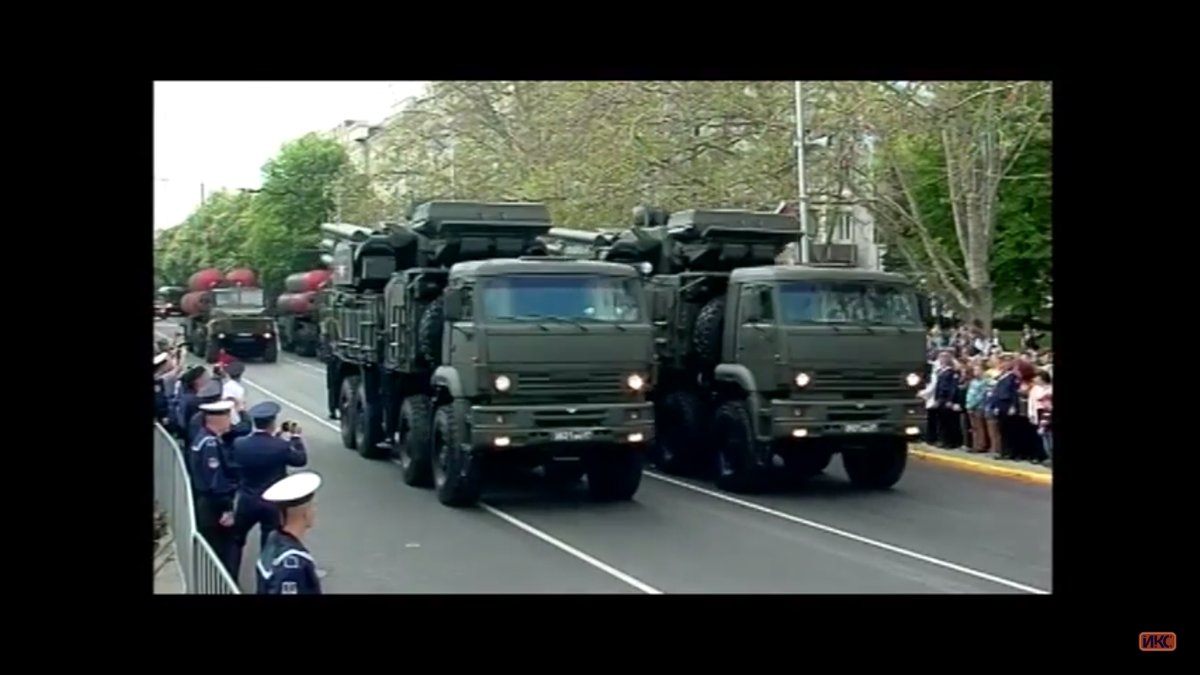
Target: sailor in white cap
(285, 567)
(162, 387)
(214, 480)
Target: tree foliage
(273, 230)
(956, 174)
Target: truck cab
(816, 361)
(237, 323)
(547, 362)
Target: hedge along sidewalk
(984, 464)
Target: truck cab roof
(539, 265)
(804, 272)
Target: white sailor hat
(294, 490)
(217, 407)
(160, 358)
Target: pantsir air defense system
(457, 343)
(758, 361)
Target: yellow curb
(980, 467)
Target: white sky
(221, 133)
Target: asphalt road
(938, 531)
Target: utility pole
(201, 194)
(805, 239)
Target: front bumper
(845, 419)
(246, 342)
(561, 429)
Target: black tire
(739, 464)
(614, 474)
(457, 477)
(801, 465)
(415, 441)
(878, 467)
(679, 437)
(347, 410)
(306, 347)
(286, 342)
(563, 474)
(211, 351)
(429, 333)
(271, 352)
(368, 427)
(706, 333)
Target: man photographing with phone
(262, 459)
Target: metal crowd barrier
(203, 572)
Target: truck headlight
(267, 336)
(635, 382)
(802, 379)
(220, 336)
(502, 383)
(912, 379)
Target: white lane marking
(571, 550)
(848, 535)
(788, 517)
(306, 366)
(511, 520)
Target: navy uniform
(285, 567)
(188, 403)
(211, 393)
(262, 459)
(214, 484)
(162, 395)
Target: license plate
(863, 428)
(572, 435)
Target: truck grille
(566, 387)
(859, 384)
(551, 419)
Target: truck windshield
(855, 302)
(576, 297)
(238, 297)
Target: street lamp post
(805, 243)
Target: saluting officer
(214, 480)
(285, 567)
(262, 459)
(209, 393)
(191, 382)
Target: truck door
(757, 348)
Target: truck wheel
(802, 465)
(211, 351)
(878, 467)
(429, 333)
(416, 430)
(306, 348)
(271, 352)
(286, 343)
(739, 468)
(706, 333)
(678, 440)
(368, 425)
(614, 474)
(347, 410)
(457, 476)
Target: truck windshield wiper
(539, 318)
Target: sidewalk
(168, 575)
(984, 463)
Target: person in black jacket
(1004, 404)
(945, 397)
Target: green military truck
(459, 345)
(758, 361)
(232, 319)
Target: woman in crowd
(965, 374)
(1040, 405)
(977, 390)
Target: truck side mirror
(923, 308)
(453, 304)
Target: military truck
(757, 361)
(166, 301)
(298, 312)
(230, 316)
(459, 345)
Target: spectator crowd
(984, 397)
